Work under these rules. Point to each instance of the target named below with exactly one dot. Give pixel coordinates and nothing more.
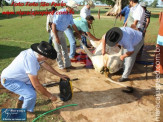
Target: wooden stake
(99, 14)
(8, 14)
(31, 12)
(20, 14)
(120, 17)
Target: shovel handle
(50, 84)
(56, 83)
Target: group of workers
(21, 76)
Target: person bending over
(21, 76)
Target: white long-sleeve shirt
(136, 13)
(84, 12)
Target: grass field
(17, 34)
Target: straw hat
(72, 4)
(91, 4)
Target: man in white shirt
(86, 10)
(49, 22)
(136, 15)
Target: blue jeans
(26, 91)
(84, 40)
(71, 38)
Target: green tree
(141, 1)
(4, 3)
(119, 5)
(154, 4)
(108, 2)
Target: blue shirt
(62, 19)
(25, 63)
(130, 38)
(81, 24)
(125, 11)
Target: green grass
(4, 97)
(42, 105)
(17, 33)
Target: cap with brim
(45, 49)
(113, 36)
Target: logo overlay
(13, 114)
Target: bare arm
(125, 23)
(37, 85)
(89, 26)
(147, 23)
(53, 71)
(135, 22)
(76, 30)
(134, 27)
(55, 33)
(103, 44)
(122, 57)
(92, 37)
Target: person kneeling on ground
(130, 39)
(21, 76)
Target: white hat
(90, 2)
(143, 4)
(72, 4)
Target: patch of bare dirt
(100, 100)
(8, 102)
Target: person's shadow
(9, 51)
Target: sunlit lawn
(17, 33)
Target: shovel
(115, 21)
(128, 88)
(55, 83)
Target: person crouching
(21, 76)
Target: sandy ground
(101, 101)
